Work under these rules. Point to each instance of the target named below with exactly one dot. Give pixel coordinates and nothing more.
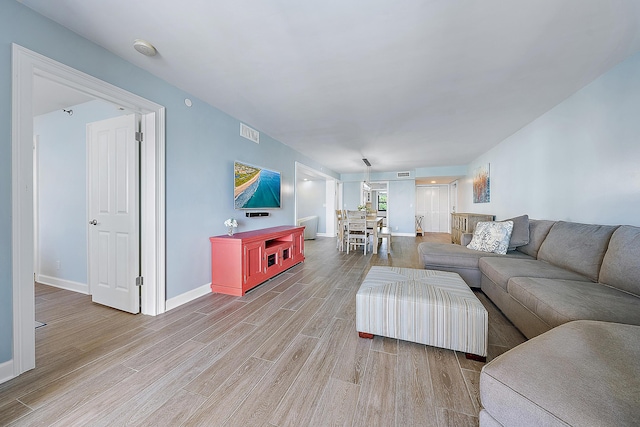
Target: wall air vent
(404, 174)
(249, 133)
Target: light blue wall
(351, 195)
(62, 190)
(312, 196)
(401, 211)
(202, 143)
(577, 162)
(441, 171)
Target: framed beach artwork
(255, 187)
(482, 185)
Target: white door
(432, 203)
(113, 198)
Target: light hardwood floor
(285, 354)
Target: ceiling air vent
(249, 133)
(404, 174)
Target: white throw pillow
(492, 237)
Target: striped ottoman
(425, 306)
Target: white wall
(578, 162)
(311, 199)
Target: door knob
(93, 222)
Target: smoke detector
(144, 47)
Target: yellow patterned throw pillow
(492, 237)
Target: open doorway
(60, 182)
(315, 198)
(27, 66)
(380, 200)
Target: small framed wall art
(482, 184)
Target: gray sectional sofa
(566, 271)
(574, 290)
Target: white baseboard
(325, 235)
(69, 285)
(6, 371)
(188, 296)
(403, 234)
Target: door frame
(25, 65)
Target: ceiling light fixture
(366, 185)
(144, 47)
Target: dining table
(374, 224)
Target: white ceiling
(405, 84)
(51, 96)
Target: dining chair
(357, 234)
(341, 223)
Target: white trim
(25, 65)
(152, 205)
(69, 285)
(6, 370)
(404, 234)
(188, 296)
(24, 351)
(325, 235)
(36, 205)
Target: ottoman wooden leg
(365, 335)
(475, 357)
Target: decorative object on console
(231, 224)
(492, 237)
(482, 185)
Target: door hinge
(139, 281)
(139, 136)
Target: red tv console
(245, 260)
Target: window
(382, 201)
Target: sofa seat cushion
(561, 301)
(449, 254)
(500, 270)
(577, 247)
(583, 373)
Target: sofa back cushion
(577, 247)
(520, 233)
(538, 230)
(621, 264)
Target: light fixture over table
(367, 175)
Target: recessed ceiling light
(433, 182)
(144, 47)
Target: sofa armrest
(465, 239)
